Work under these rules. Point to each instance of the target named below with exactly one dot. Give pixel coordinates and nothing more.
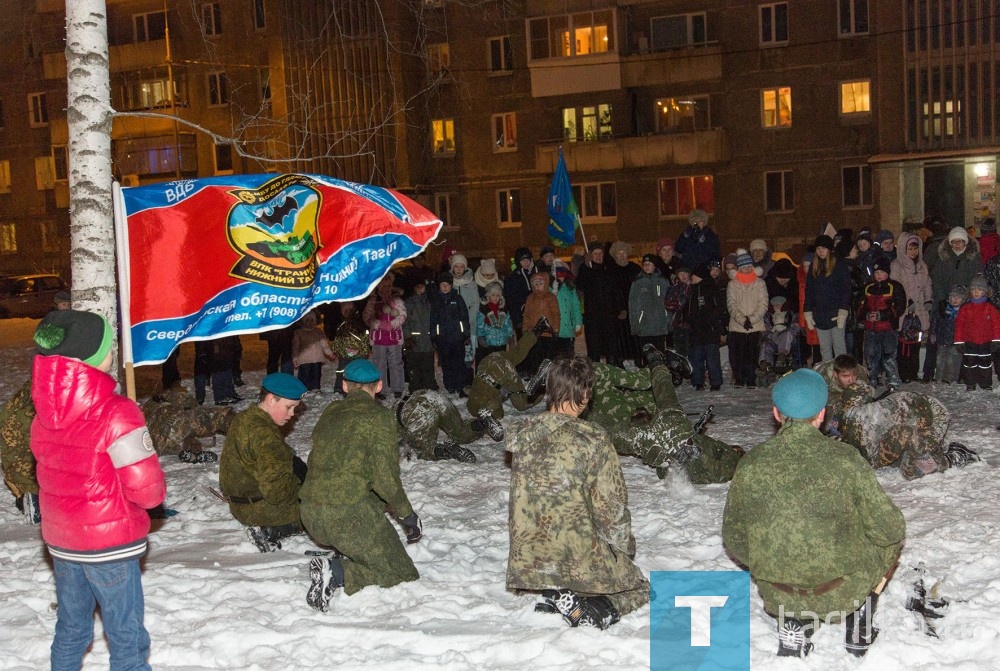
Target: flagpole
(124, 312)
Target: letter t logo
(701, 616)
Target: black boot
(599, 612)
(538, 379)
(960, 455)
(590, 611)
(678, 364)
(326, 575)
(493, 427)
(262, 538)
(653, 356)
(860, 633)
(454, 451)
(793, 638)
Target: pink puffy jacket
(97, 470)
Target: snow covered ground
(214, 602)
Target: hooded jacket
(951, 268)
(915, 278)
(542, 303)
(97, 469)
(646, 312)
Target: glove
(841, 318)
(810, 324)
(911, 307)
(746, 324)
(412, 528)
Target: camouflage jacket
(15, 443)
(496, 374)
(176, 421)
(804, 509)
(256, 463)
(570, 526)
(354, 458)
(617, 393)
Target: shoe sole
(317, 596)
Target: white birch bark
(89, 115)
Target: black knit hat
(521, 253)
(86, 336)
(824, 241)
(446, 277)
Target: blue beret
(361, 371)
(801, 394)
(283, 385)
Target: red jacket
(977, 323)
(97, 470)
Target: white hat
(958, 233)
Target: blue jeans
(117, 588)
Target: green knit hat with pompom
(77, 334)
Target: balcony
(677, 66)
(579, 74)
(678, 149)
(123, 57)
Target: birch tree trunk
(89, 115)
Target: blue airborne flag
(564, 217)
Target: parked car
(28, 295)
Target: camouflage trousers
(424, 414)
(629, 600)
(369, 542)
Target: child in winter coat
(570, 313)
(949, 359)
(541, 303)
(647, 313)
(493, 326)
(882, 303)
(989, 240)
(418, 350)
(746, 298)
(309, 349)
(977, 336)
(384, 314)
(678, 331)
(781, 331)
(449, 332)
(351, 340)
(98, 474)
(705, 311)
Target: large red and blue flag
(201, 258)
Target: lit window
(855, 97)
(504, 132)
(500, 54)
(218, 89)
(38, 111)
(5, 176)
(442, 208)
(679, 195)
(854, 17)
(672, 32)
(682, 115)
(211, 19)
(443, 137)
(774, 24)
(597, 202)
(571, 35)
(779, 191)
(857, 185)
(587, 123)
(776, 107)
(438, 58)
(8, 239)
(942, 119)
(509, 207)
(60, 162)
(148, 27)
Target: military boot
(29, 506)
(653, 356)
(263, 539)
(678, 363)
(591, 611)
(960, 455)
(538, 379)
(542, 326)
(454, 451)
(793, 638)
(860, 633)
(493, 427)
(326, 575)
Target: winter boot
(454, 451)
(537, 380)
(326, 574)
(542, 326)
(261, 537)
(653, 356)
(860, 633)
(960, 455)
(493, 427)
(548, 602)
(29, 506)
(793, 638)
(678, 363)
(599, 612)
(201, 457)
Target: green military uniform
(804, 510)
(838, 395)
(15, 443)
(353, 475)
(570, 527)
(496, 374)
(255, 471)
(423, 414)
(176, 421)
(618, 393)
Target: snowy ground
(214, 602)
